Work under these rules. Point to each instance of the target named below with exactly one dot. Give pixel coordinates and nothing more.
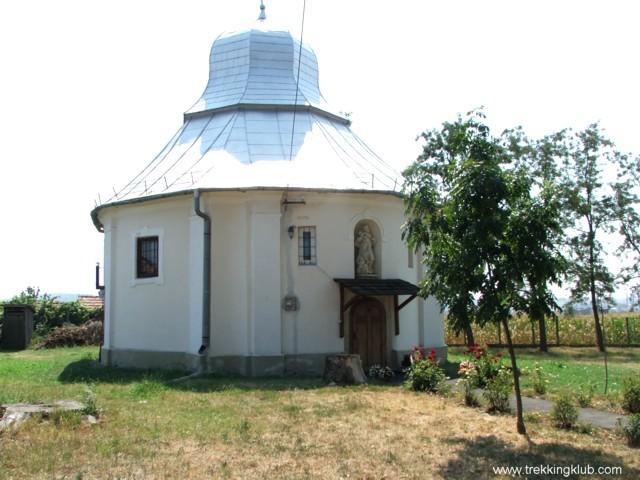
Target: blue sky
(91, 91)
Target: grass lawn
(577, 369)
(226, 427)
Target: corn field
(619, 329)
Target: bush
(424, 374)
(564, 413)
(631, 393)
(481, 366)
(468, 392)
(50, 313)
(631, 431)
(539, 380)
(90, 405)
(497, 392)
(584, 395)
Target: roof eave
(271, 107)
(100, 227)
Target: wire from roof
(295, 102)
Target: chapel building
(265, 235)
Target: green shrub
(49, 313)
(631, 393)
(631, 431)
(538, 380)
(497, 392)
(424, 374)
(564, 413)
(586, 428)
(468, 392)
(90, 405)
(584, 395)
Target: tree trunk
(596, 318)
(542, 333)
(592, 289)
(533, 332)
(522, 430)
(468, 333)
(537, 315)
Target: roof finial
(263, 16)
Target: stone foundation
(252, 366)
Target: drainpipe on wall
(206, 275)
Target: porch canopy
(366, 287)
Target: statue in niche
(365, 259)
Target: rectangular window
(307, 245)
(147, 257)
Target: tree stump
(344, 370)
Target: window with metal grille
(306, 245)
(147, 258)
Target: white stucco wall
(155, 315)
(254, 266)
(314, 327)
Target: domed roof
(262, 122)
(260, 67)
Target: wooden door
(368, 332)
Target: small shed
(17, 327)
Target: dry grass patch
(321, 433)
(295, 428)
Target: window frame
(156, 277)
(307, 245)
(147, 257)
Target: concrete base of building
(246, 365)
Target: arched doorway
(368, 332)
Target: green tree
(540, 161)
(590, 203)
(29, 296)
(627, 206)
(471, 212)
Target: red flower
(499, 354)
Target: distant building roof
(91, 301)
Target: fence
(578, 330)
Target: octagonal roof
(261, 122)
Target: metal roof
(256, 125)
(378, 286)
(260, 67)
